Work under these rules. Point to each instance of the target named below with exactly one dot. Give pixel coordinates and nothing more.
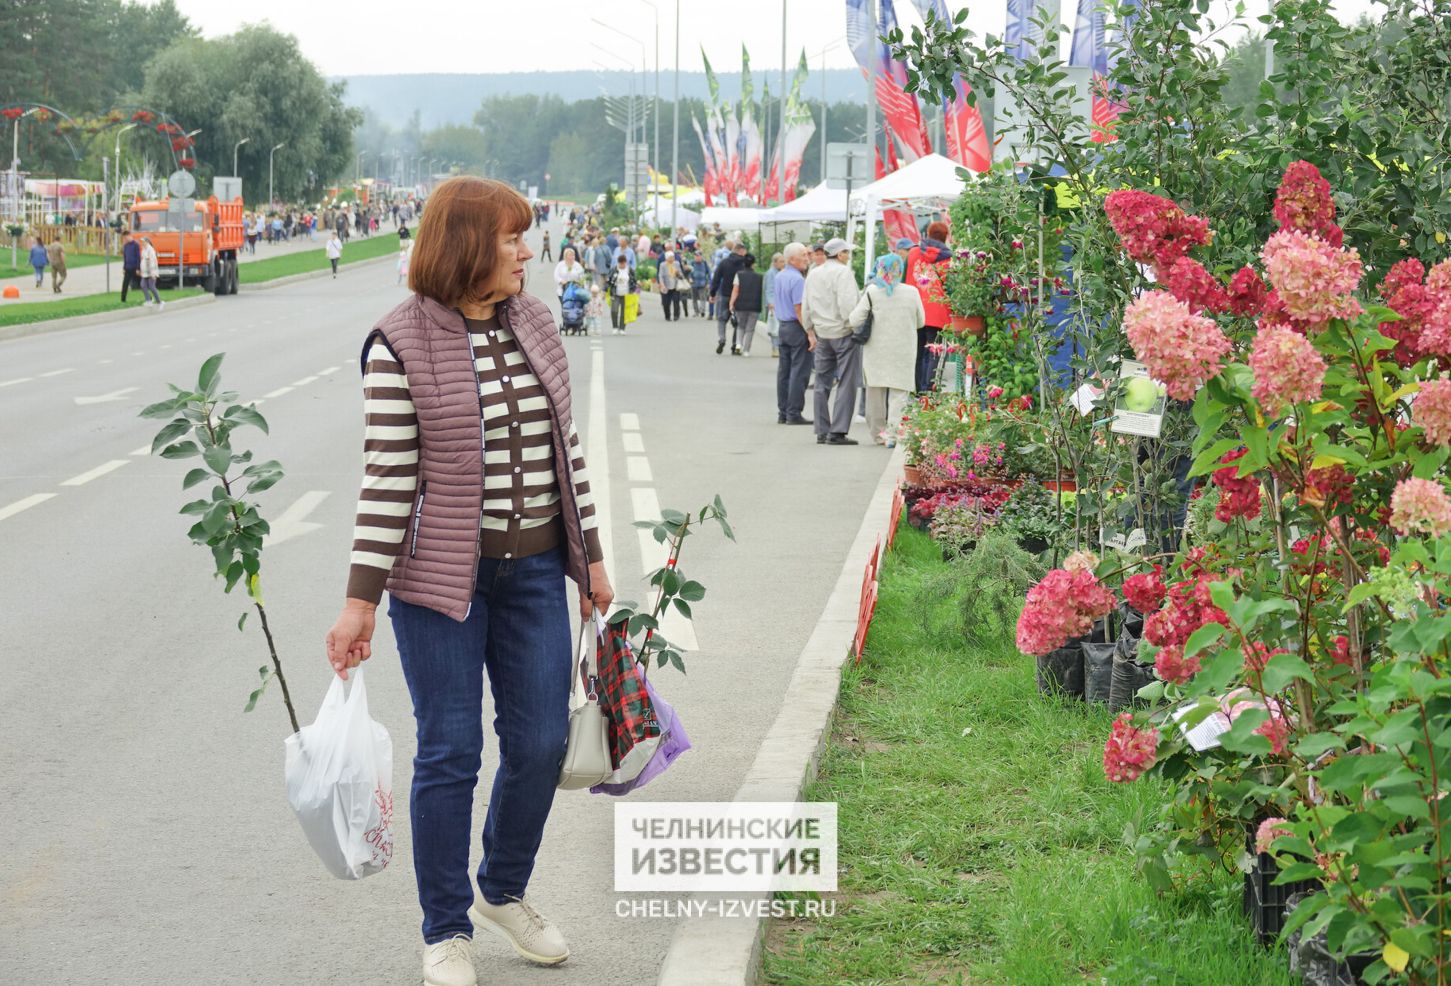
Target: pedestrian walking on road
(889, 357)
(720, 289)
(150, 271)
(826, 306)
(699, 283)
(568, 271)
(795, 344)
(544, 252)
(622, 285)
(39, 257)
(475, 570)
(334, 252)
(56, 253)
(130, 265)
(745, 305)
(405, 254)
(669, 277)
(768, 289)
(403, 233)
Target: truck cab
(199, 245)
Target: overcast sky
(369, 37)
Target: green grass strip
(979, 840)
(42, 311)
(381, 245)
(72, 261)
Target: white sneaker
(147, 304)
(532, 934)
(160, 305)
(449, 963)
(745, 352)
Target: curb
(716, 951)
(9, 332)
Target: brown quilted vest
(438, 565)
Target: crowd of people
(862, 350)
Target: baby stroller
(571, 309)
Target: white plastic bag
(340, 783)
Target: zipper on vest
(417, 517)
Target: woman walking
(932, 251)
(745, 305)
(568, 271)
(890, 354)
(668, 277)
(475, 505)
(768, 288)
(150, 270)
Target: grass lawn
(72, 261)
(994, 856)
(255, 272)
(41, 311)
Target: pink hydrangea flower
(1239, 496)
(1247, 292)
(1081, 561)
(1145, 591)
(1439, 279)
(1181, 349)
(1420, 505)
(1129, 751)
(1276, 729)
(1059, 608)
(1313, 279)
(1270, 830)
(1287, 368)
(1152, 229)
(1173, 666)
(1303, 203)
(1432, 411)
(1189, 281)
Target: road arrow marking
(114, 395)
(293, 521)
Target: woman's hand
(349, 642)
(601, 593)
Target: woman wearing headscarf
(890, 355)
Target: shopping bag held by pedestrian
(587, 750)
(632, 308)
(646, 734)
(340, 783)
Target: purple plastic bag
(673, 743)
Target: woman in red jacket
(934, 251)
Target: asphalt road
(149, 836)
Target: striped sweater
(521, 506)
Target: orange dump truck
(203, 242)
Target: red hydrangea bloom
(1276, 729)
(1286, 366)
(1238, 496)
(1418, 305)
(1331, 486)
(1189, 281)
(1188, 607)
(1257, 655)
(1247, 292)
(1403, 274)
(1432, 411)
(1129, 751)
(1181, 349)
(1173, 666)
(1340, 652)
(1152, 229)
(1303, 203)
(1145, 591)
(1059, 608)
(1314, 280)
(1269, 830)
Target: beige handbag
(587, 753)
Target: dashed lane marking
(25, 504)
(632, 441)
(95, 473)
(56, 373)
(278, 392)
(11, 383)
(304, 381)
(629, 421)
(637, 469)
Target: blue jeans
(517, 629)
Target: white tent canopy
(728, 218)
(928, 181)
(821, 204)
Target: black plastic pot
(1264, 900)
(1129, 674)
(1060, 672)
(1033, 545)
(1311, 958)
(1098, 671)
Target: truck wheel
(232, 277)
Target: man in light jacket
(826, 304)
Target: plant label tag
(1139, 409)
(1084, 398)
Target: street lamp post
(831, 47)
(15, 175)
(629, 37)
(781, 140)
(675, 130)
(359, 169)
(117, 158)
(271, 195)
(235, 148)
(655, 111)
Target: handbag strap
(582, 660)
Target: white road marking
(597, 455)
(304, 381)
(258, 401)
(56, 373)
(632, 441)
(143, 450)
(103, 362)
(278, 392)
(11, 383)
(166, 346)
(191, 338)
(629, 422)
(140, 353)
(26, 504)
(293, 521)
(653, 554)
(114, 395)
(637, 468)
(95, 473)
(329, 370)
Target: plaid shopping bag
(634, 727)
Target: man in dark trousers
(720, 289)
(130, 265)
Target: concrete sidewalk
(82, 281)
